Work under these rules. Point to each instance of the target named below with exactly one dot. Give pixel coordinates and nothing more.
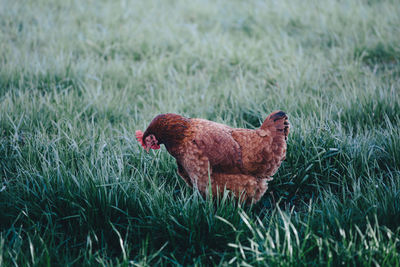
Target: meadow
(77, 78)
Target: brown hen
(241, 160)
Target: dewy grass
(78, 78)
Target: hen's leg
(197, 166)
(199, 171)
(250, 188)
(185, 176)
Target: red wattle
(155, 146)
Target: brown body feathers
(241, 160)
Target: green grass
(77, 78)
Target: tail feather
(277, 121)
(276, 126)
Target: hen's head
(150, 141)
(168, 129)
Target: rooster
(240, 160)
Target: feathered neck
(169, 129)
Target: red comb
(139, 137)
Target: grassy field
(77, 78)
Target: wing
(215, 142)
(209, 149)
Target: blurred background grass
(78, 78)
